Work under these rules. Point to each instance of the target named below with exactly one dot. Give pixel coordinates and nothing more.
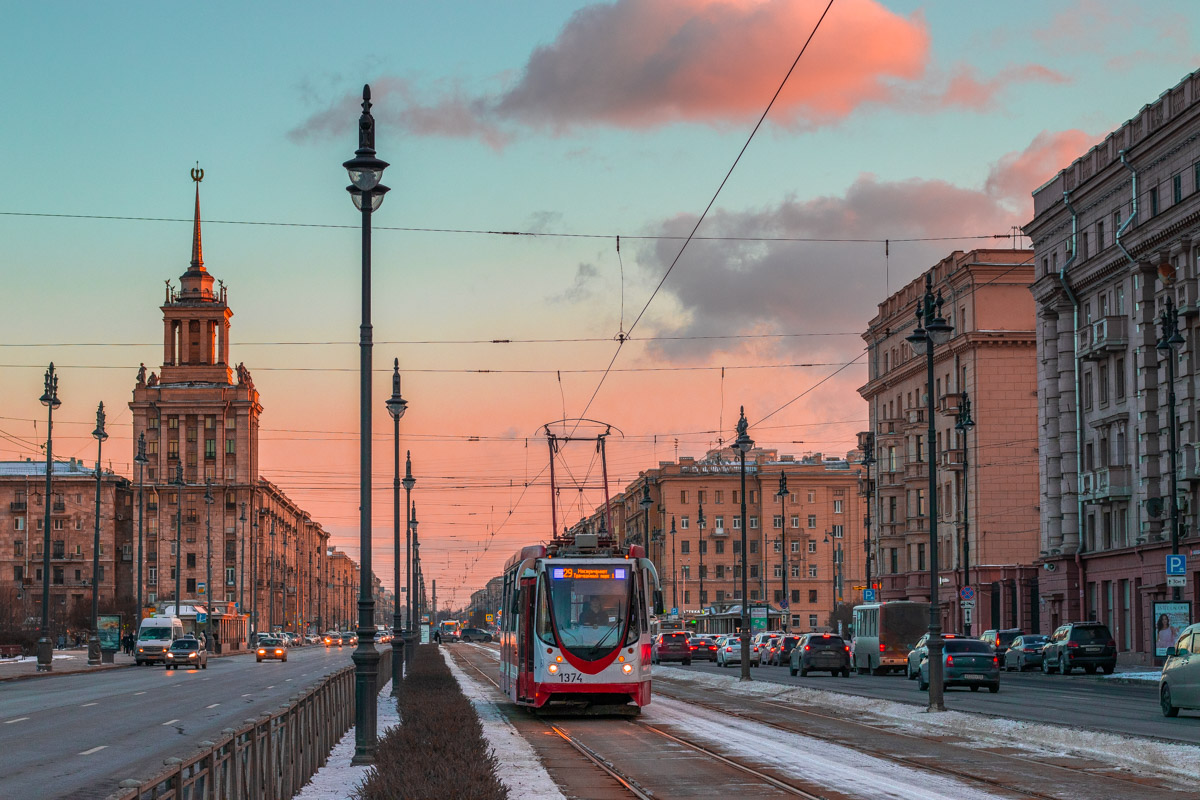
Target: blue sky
(107, 108)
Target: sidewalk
(72, 661)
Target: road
(1076, 700)
(78, 736)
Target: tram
(576, 625)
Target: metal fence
(267, 758)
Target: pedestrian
(62, 642)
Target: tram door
(525, 639)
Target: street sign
(859, 588)
(1177, 565)
(1176, 580)
(201, 617)
(966, 616)
(200, 587)
(967, 593)
(674, 612)
(868, 595)
(490, 618)
(967, 604)
(783, 604)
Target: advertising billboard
(109, 631)
(1169, 620)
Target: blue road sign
(967, 593)
(868, 595)
(202, 617)
(674, 612)
(1177, 564)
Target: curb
(100, 668)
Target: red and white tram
(576, 625)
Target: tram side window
(542, 624)
(636, 618)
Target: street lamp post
(743, 445)
(782, 494)
(45, 651)
(140, 459)
(867, 462)
(674, 585)
(208, 588)
(932, 329)
(700, 545)
(178, 481)
(1167, 345)
(271, 580)
(964, 423)
(396, 406)
(365, 171)
(94, 638)
(645, 503)
(418, 579)
(409, 532)
(242, 564)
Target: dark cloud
(580, 289)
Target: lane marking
(142, 692)
(286, 680)
(245, 695)
(18, 719)
(93, 750)
(214, 705)
(272, 686)
(85, 705)
(170, 722)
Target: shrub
(438, 750)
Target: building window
(777, 522)
(1154, 202)
(812, 620)
(812, 520)
(794, 570)
(230, 576)
(173, 422)
(737, 523)
(173, 449)
(812, 546)
(795, 520)
(720, 571)
(684, 523)
(700, 496)
(1102, 377)
(812, 496)
(795, 547)
(1099, 235)
(837, 531)
(753, 547)
(920, 557)
(1120, 378)
(1083, 245)
(685, 547)
(753, 523)
(153, 423)
(687, 597)
(191, 586)
(1176, 188)
(686, 571)
(718, 497)
(683, 497)
(19, 523)
(837, 506)
(754, 572)
(720, 550)
(812, 570)
(720, 523)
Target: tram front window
(590, 607)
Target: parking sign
(1177, 564)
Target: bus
(884, 633)
(449, 630)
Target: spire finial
(197, 249)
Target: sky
(598, 133)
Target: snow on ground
(1138, 675)
(1129, 752)
(519, 768)
(20, 659)
(831, 765)
(337, 780)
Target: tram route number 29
(570, 677)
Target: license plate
(1093, 649)
(974, 677)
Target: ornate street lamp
(141, 460)
(396, 406)
(782, 494)
(242, 564)
(94, 638)
(743, 444)
(962, 424)
(177, 480)
(367, 192)
(409, 531)
(208, 588)
(45, 651)
(932, 330)
(674, 586)
(867, 461)
(1168, 343)
(700, 545)
(645, 503)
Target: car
(312, 638)
(966, 662)
(332, 638)
(767, 651)
(186, 653)
(758, 645)
(1025, 651)
(476, 635)
(1080, 644)
(349, 637)
(704, 647)
(671, 646)
(381, 637)
(820, 652)
(783, 653)
(729, 650)
(271, 648)
(920, 652)
(1179, 686)
(1000, 639)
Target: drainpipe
(1133, 209)
(1062, 278)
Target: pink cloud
(967, 90)
(1014, 176)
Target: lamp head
(919, 338)
(365, 169)
(50, 396)
(783, 489)
(140, 458)
(743, 444)
(646, 502)
(99, 434)
(396, 405)
(409, 482)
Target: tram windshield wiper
(598, 645)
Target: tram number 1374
(570, 677)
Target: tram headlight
(553, 668)
(627, 668)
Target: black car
(1025, 651)
(783, 653)
(476, 635)
(1080, 644)
(823, 652)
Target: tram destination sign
(590, 573)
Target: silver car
(729, 650)
(1179, 686)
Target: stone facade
(72, 536)
(819, 522)
(343, 590)
(1116, 233)
(992, 544)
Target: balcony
(916, 470)
(915, 416)
(916, 525)
(1189, 463)
(1188, 297)
(152, 506)
(948, 403)
(17, 506)
(1103, 337)
(1113, 483)
(59, 506)
(719, 532)
(952, 459)
(891, 479)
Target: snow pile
(1130, 752)
(519, 770)
(1139, 675)
(337, 780)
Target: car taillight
(996, 660)
(728, 649)
(807, 647)
(1111, 643)
(881, 647)
(1072, 645)
(949, 661)
(1030, 650)
(691, 647)
(847, 648)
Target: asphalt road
(78, 736)
(1076, 700)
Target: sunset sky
(571, 122)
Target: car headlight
(262, 652)
(553, 668)
(191, 655)
(170, 655)
(627, 668)
(278, 652)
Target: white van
(155, 635)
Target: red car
(673, 646)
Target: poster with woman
(1169, 621)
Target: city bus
(884, 633)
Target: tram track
(633, 786)
(1136, 788)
